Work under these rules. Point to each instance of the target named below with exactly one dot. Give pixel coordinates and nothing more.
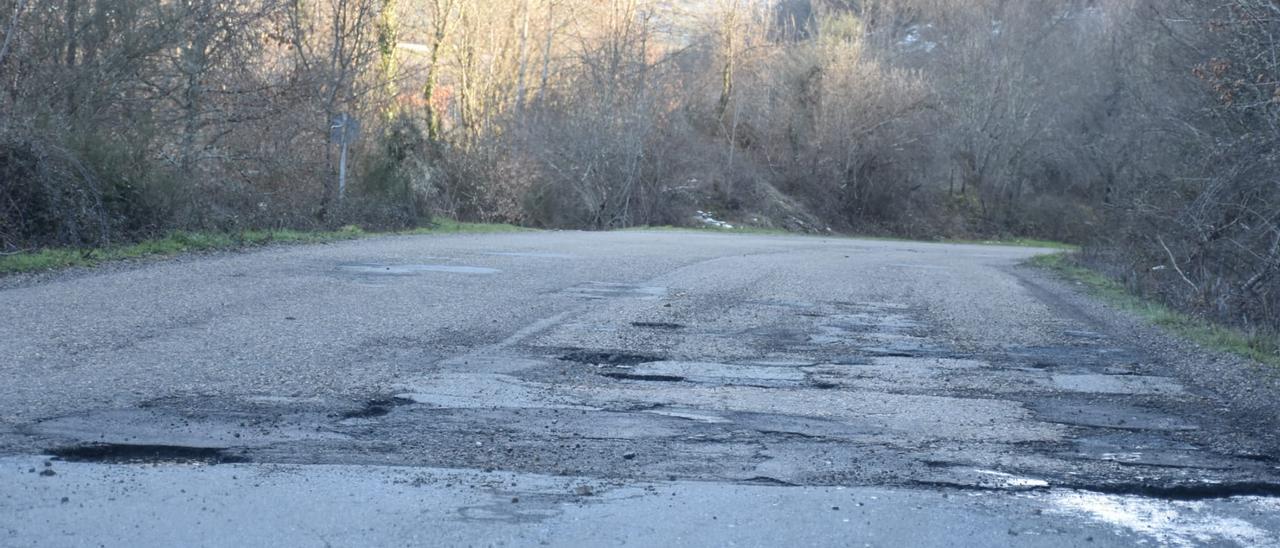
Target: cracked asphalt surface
(647, 388)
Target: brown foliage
(1146, 129)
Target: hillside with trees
(1145, 130)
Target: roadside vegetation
(1016, 242)
(1260, 346)
(1144, 131)
(1022, 242)
(180, 242)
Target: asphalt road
(641, 388)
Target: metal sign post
(343, 130)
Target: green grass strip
(1015, 242)
(1260, 347)
(179, 242)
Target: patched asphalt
(632, 371)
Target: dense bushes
(1193, 211)
(1147, 130)
(48, 196)
(122, 120)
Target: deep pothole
(377, 407)
(1183, 491)
(622, 375)
(121, 453)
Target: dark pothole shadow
(625, 376)
(121, 453)
(377, 407)
(1188, 492)
(663, 326)
(608, 357)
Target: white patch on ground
(706, 219)
(1167, 523)
(914, 39)
(1266, 504)
(709, 419)
(1133, 456)
(1012, 481)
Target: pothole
(891, 352)
(721, 373)
(1150, 449)
(1105, 414)
(119, 453)
(768, 480)
(668, 326)
(377, 408)
(592, 357)
(1183, 491)
(1068, 359)
(621, 375)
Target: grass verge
(179, 242)
(1016, 242)
(1020, 242)
(718, 230)
(1260, 347)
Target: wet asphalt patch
(606, 357)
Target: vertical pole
(342, 169)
